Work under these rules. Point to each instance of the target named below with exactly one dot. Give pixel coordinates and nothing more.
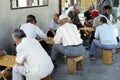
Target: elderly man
(54, 25)
(67, 40)
(73, 14)
(32, 60)
(104, 37)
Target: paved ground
(93, 69)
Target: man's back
(106, 34)
(68, 34)
(32, 31)
(34, 57)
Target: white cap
(76, 6)
(62, 16)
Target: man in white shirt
(67, 40)
(32, 60)
(31, 30)
(104, 38)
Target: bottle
(65, 59)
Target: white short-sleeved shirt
(106, 34)
(54, 25)
(34, 58)
(67, 35)
(32, 31)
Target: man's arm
(40, 33)
(20, 57)
(96, 34)
(57, 38)
(19, 64)
(51, 29)
(97, 38)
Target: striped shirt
(67, 34)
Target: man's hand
(19, 64)
(97, 38)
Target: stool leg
(71, 66)
(80, 65)
(4, 78)
(107, 56)
(6, 72)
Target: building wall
(11, 19)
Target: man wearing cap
(74, 15)
(67, 40)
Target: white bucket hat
(63, 16)
(76, 6)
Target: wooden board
(7, 60)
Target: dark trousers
(92, 37)
(45, 45)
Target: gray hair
(18, 33)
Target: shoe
(91, 56)
(117, 50)
(87, 48)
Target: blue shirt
(106, 34)
(54, 25)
